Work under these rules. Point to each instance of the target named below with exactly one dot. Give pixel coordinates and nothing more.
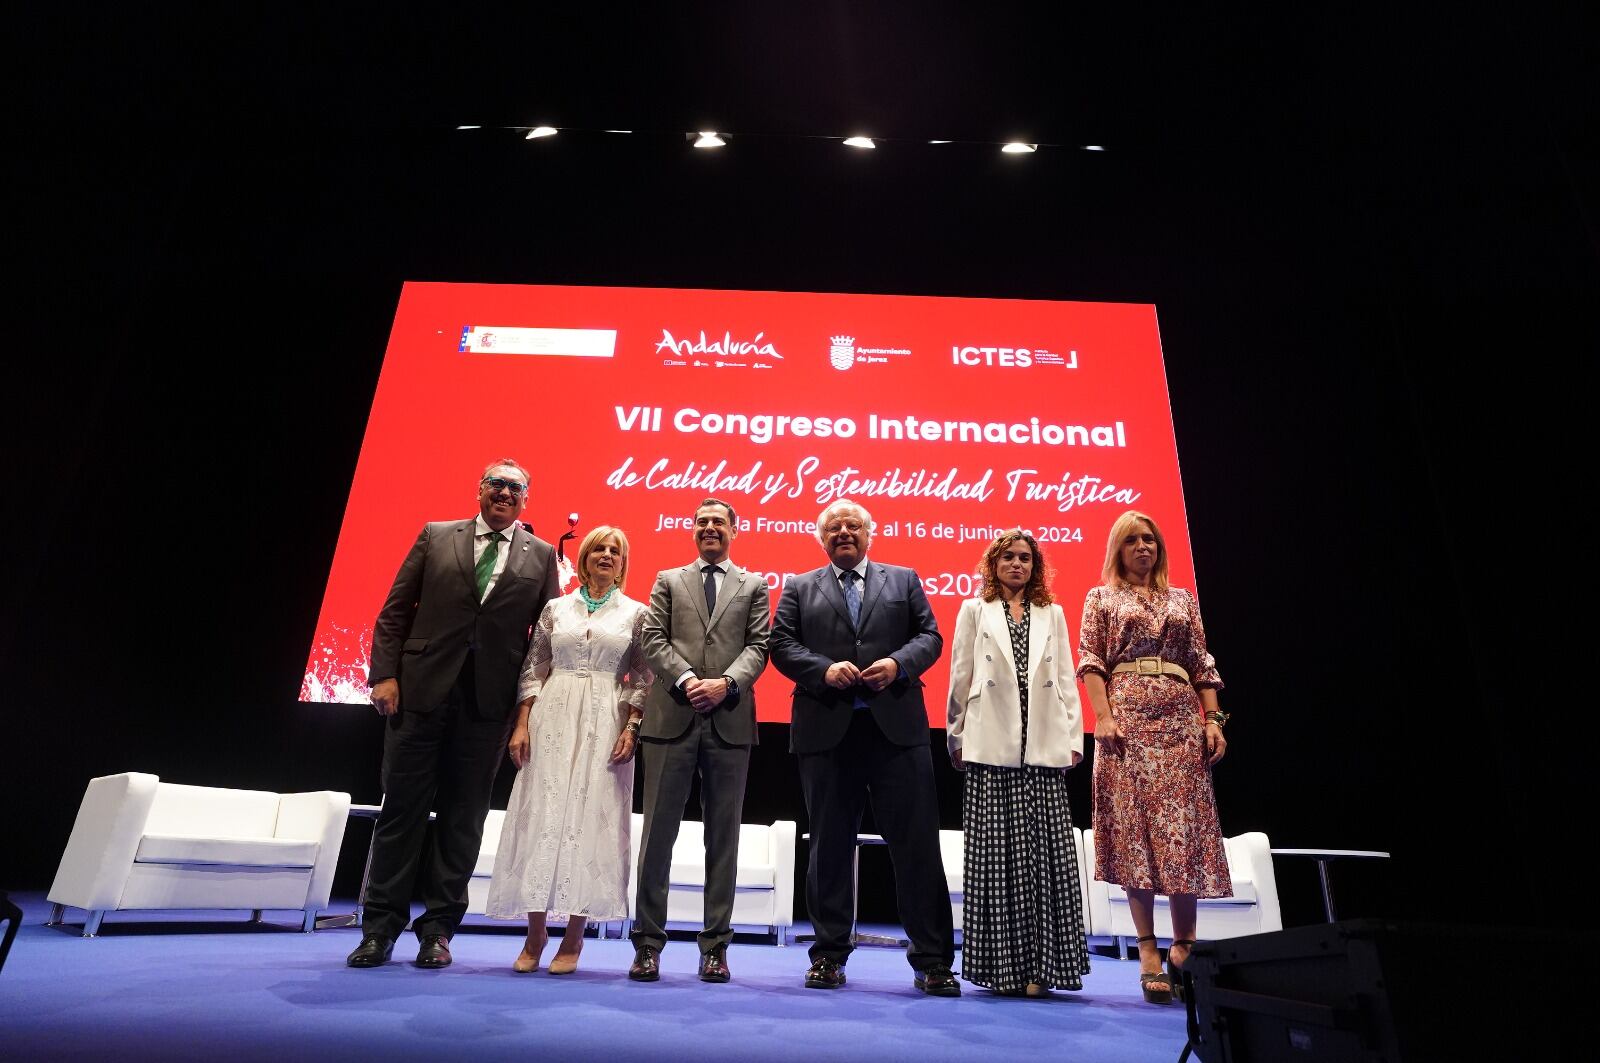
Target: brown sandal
(1147, 979)
(1174, 972)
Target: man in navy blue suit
(855, 636)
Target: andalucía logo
(842, 353)
(726, 347)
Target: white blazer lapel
(994, 622)
(1039, 632)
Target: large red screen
(947, 418)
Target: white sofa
(951, 851)
(141, 844)
(764, 887)
(478, 884)
(1253, 908)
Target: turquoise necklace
(595, 603)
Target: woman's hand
(519, 745)
(1216, 745)
(956, 760)
(622, 752)
(1106, 734)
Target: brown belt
(1152, 666)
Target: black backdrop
(1373, 256)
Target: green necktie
(485, 566)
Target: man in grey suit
(855, 636)
(706, 639)
(446, 651)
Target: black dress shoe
(825, 974)
(937, 982)
(435, 952)
(714, 966)
(374, 951)
(646, 965)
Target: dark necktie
(485, 567)
(711, 590)
(852, 597)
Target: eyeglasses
(505, 485)
(843, 525)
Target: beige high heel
(527, 964)
(563, 962)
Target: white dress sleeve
(636, 684)
(536, 666)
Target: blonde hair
(1111, 572)
(1037, 592)
(593, 539)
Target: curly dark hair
(1038, 590)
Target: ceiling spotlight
(461, 127)
(941, 142)
(541, 131)
(859, 142)
(709, 140)
(1094, 147)
(617, 130)
(1017, 147)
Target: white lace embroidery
(564, 847)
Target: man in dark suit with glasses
(446, 651)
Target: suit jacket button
(708, 640)
(1049, 682)
(858, 642)
(991, 682)
(987, 657)
(1047, 660)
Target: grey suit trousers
(670, 766)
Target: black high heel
(1174, 972)
(1155, 996)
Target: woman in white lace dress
(564, 847)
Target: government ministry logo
(842, 353)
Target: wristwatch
(733, 688)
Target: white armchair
(483, 870)
(1253, 908)
(952, 853)
(141, 844)
(763, 888)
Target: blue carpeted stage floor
(152, 987)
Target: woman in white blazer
(1015, 727)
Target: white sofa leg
(255, 915)
(1120, 945)
(91, 923)
(311, 921)
(56, 912)
(783, 936)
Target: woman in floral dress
(1158, 731)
